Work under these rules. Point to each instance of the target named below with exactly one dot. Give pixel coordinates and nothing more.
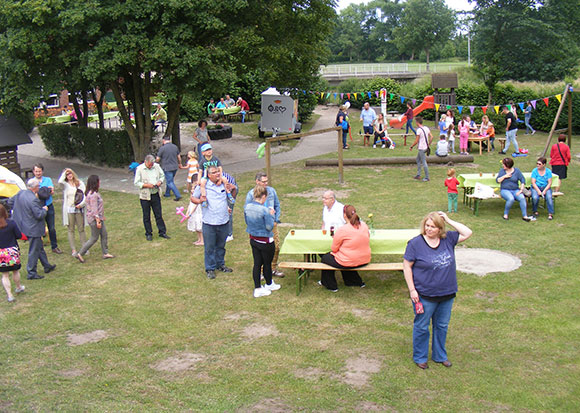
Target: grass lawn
(171, 340)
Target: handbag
(79, 197)
(9, 256)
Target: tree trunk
(173, 106)
(99, 105)
(138, 152)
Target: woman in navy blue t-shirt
(429, 268)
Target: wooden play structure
(444, 99)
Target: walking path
(237, 155)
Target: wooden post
(565, 95)
(570, 120)
(340, 163)
(268, 163)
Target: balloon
(347, 104)
(261, 149)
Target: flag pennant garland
(484, 108)
(509, 107)
(448, 107)
(341, 95)
(496, 107)
(414, 102)
(355, 96)
(369, 93)
(335, 95)
(391, 95)
(471, 109)
(348, 96)
(327, 95)
(546, 101)
(521, 105)
(559, 97)
(460, 109)
(402, 99)
(437, 106)
(377, 93)
(533, 102)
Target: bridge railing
(383, 68)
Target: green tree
(424, 24)
(525, 40)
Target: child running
(451, 183)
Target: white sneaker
(374, 146)
(383, 146)
(230, 238)
(273, 286)
(20, 290)
(261, 292)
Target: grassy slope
(513, 336)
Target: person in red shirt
(451, 183)
(560, 159)
(350, 249)
(244, 106)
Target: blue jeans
(536, 199)
(410, 125)
(529, 128)
(344, 135)
(243, 113)
(510, 136)
(169, 175)
(440, 313)
(214, 245)
(50, 224)
(510, 197)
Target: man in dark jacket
(29, 214)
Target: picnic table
(107, 115)
(59, 119)
(311, 242)
(474, 137)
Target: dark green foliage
(100, 146)
(192, 109)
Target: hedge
(97, 146)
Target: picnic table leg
(301, 281)
(476, 206)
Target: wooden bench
(304, 269)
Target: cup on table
(323, 232)
(292, 232)
(480, 174)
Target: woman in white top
(73, 215)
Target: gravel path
(237, 154)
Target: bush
(192, 109)
(98, 146)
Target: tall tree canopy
(138, 47)
(525, 40)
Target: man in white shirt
(332, 213)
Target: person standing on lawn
(422, 141)
(368, 117)
(430, 274)
(215, 216)
(560, 159)
(170, 160)
(511, 130)
(28, 214)
(273, 204)
(148, 178)
(45, 181)
(528, 117)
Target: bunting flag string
(459, 108)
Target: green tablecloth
(106, 115)
(469, 180)
(312, 241)
(59, 119)
(229, 111)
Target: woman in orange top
(350, 249)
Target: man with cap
(169, 158)
(215, 217)
(28, 214)
(148, 178)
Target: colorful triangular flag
(521, 105)
(484, 108)
(327, 95)
(496, 107)
(391, 95)
(460, 109)
(414, 102)
(335, 95)
(402, 99)
(369, 93)
(341, 96)
(448, 107)
(355, 96)
(546, 101)
(471, 109)
(437, 106)
(377, 93)
(559, 97)
(533, 102)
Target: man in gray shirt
(215, 218)
(169, 159)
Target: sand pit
(91, 337)
(481, 261)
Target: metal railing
(383, 68)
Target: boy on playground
(451, 183)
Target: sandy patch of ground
(72, 373)
(359, 369)
(315, 194)
(268, 405)
(259, 330)
(481, 261)
(364, 313)
(237, 316)
(485, 295)
(372, 407)
(180, 362)
(86, 338)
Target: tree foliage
(525, 40)
(138, 47)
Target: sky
(454, 4)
